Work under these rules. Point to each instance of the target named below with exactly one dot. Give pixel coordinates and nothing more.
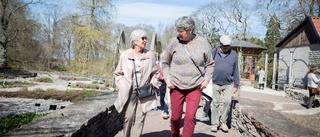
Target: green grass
(88, 93)
(94, 82)
(46, 79)
(61, 69)
(13, 121)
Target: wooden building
(248, 54)
(298, 51)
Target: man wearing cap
(225, 81)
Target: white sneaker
(224, 127)
(214, 128)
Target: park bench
(282, 82)
(298, 83)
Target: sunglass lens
(144, 38)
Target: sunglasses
(183, 30)
(225, 46)
(144, 38)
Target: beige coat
(124, 78)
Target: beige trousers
(221, 103)
(134, 118)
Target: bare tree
(287, 14)
(91, 37)
(52, 44)
(24, 50)
(214, 20)
(207, 19)
(168, 33)
(67, 38)
(148, 28)
(11, 13)
(240, 16)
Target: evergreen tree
(159, 47)
(273, 36)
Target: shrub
(94, 82)
(88, 93)
(12, 84)
(61, 69)
(46, 79)
(68, 95)
(13, 121)
(74, 78)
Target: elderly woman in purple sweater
(187, 68)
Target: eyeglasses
(144, 38)
(225, 47)
(182, 30)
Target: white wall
(300, 62)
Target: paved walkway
(281, 103)
(155, 126)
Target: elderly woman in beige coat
(142, 62)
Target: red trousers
(192, 99)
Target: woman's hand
(204, 84)
(169, 85)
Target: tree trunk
(3, 57)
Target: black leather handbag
(146, 90)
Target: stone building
(299, 50)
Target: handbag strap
(193, 60)
(135, 72)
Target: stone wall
(301, 96)
(243, 124)
(314, 58)
(94, 116)
(257, 119)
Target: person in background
(256, 77)
(262, 76)
(162, 93)
(187, 68)
(312, 85)
(225, 81)
(142, 62)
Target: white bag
(208, 91)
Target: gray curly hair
(185, 23)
